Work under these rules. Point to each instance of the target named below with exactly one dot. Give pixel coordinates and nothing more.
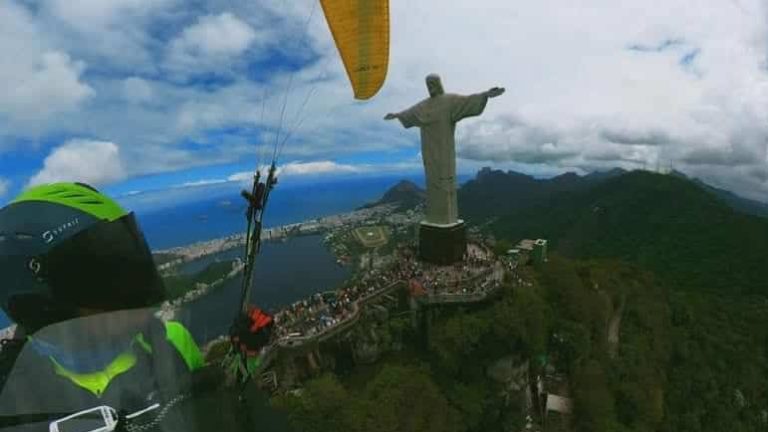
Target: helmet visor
(106, 267)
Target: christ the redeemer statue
(437, 116)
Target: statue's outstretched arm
(495, 91)
(407, 119)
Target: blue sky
(140, 95)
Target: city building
(525, 245)
(539, 254)
(536, 250)
(8, 332)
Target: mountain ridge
(667, 224)
(405, 193)
(489, 185)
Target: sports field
(372, 236)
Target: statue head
(434, 85)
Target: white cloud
(329, 168)
(247, 176)
(577, 97)
(213, 39)
(319, 167)
(204, 182)
(87, 14)
(93, 162)
(50, 86)
(38, 80)
(302, 169)
(692, 94)
(582, 98)
(112, 35)
(5, 185)
(137, 90)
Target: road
(614, 324)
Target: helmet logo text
(50, 235)
(34, 265)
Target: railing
(458, 297)
(455, 298)
(296, 342)
(462, 297)
(443, 298)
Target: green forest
(709, 265)
(683, 272)
(561, 321)
(668, 225)
(176, 285)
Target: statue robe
(437, 117)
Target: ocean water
(285, 273)
(223, 213)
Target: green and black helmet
(65, 247)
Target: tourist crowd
(323, 311)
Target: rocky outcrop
(372, 338)
(510, 371)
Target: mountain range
(744, 205)
(521, 190)
(405, 193)
(652, 306)
(690, 234)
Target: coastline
(199, 250)
(168, 309)
(472, 288)
(479, 279)
(202, 249)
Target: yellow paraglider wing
(361, 31)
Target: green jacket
(161, 364)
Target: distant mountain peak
(732, 199)
(569, 176)
(405, 193)
(405, 186)
(671, 224)
(613, 172)
(676, 173)
(489, 175)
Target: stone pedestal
(442, 244)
